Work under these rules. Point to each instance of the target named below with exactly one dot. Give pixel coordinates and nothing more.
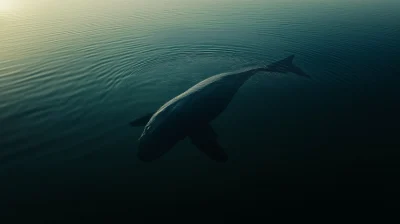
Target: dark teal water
(73, 74)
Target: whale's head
(155, 143)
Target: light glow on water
(7, 5)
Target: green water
(73, 74)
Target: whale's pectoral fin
(142, 121)
(205, 139)
(298, 71)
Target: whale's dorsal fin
(141, 121)
(286, 65)
(205, 139)
(288, 60)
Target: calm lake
(74, 73)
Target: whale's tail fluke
(286, 65)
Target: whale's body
(190, 113)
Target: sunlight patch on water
(6, 5)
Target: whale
(189, 114)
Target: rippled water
(74, 73)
